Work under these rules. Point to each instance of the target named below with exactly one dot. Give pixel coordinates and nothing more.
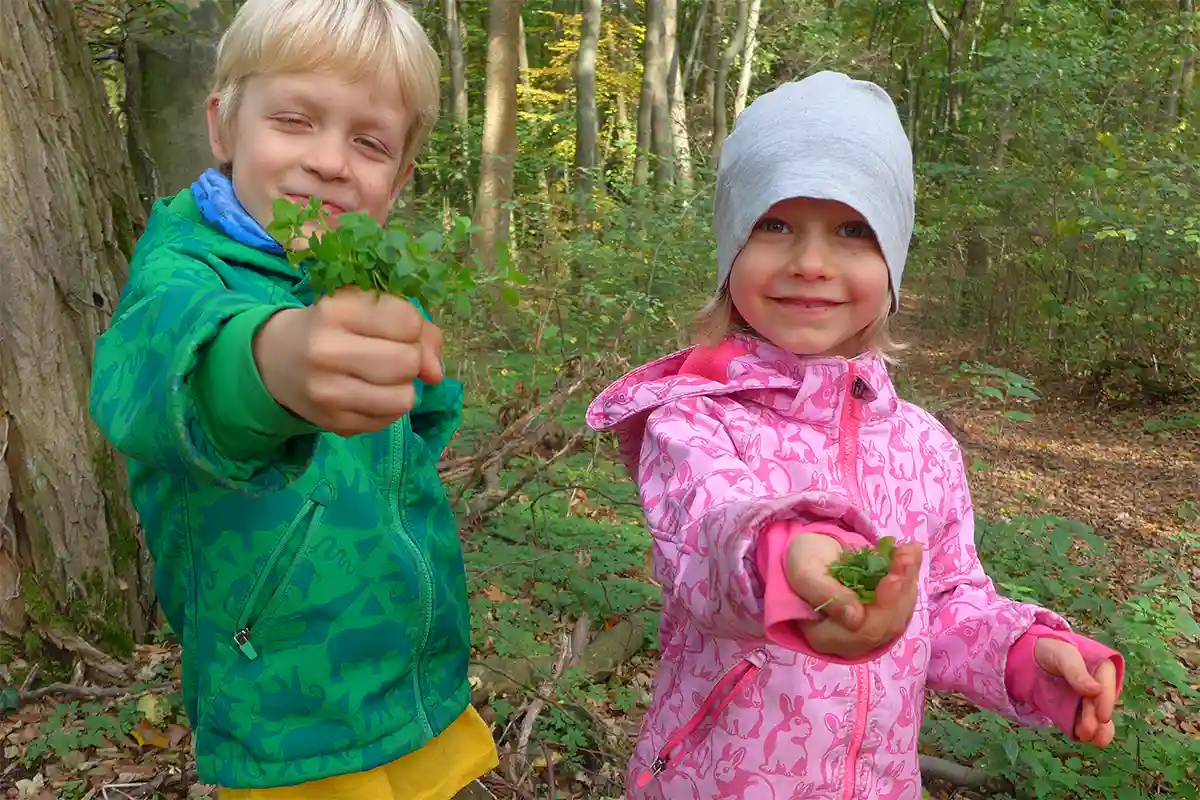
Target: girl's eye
(290, 120)
(772, 225)
(858, 229)
(373, 145)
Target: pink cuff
(1032, 687)
(783, 608)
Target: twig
(549, 769)
(495, 501)
(30, 677)
(535, 707)
(74, 692)
(963, 777)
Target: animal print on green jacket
(316, 582)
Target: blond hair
(719, 318)
(354, 39)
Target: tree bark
(720, 121)
(664, 127)
(712, 58)
(71, 555)
(743, 90)
(653, 95)
(588, 134)
(1183, 75)
(678, 106)
(498, 160)
(458, 69)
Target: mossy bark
(70, 552)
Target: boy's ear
(215, 139)
(400, 184)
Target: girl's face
(811, 278)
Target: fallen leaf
(145, 734)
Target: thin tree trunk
(653, 91)
(739, 100)
(588, 134)
(71, 555)
(1182, 76)
(712, 58)
(458, 70)
(689, 66)
(664, 125)
(720, 123)
(679, 122)
(499, 156)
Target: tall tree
(677, 107)
(498, 162)
(587, 137)
(1183, 75)
(720, 121)
(653, 111)
(71, 556)
(743, 90)
(458, 70)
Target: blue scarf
(221, 208)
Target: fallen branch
(962, 777)
(537, 704)
(598, 661)
(73, 692)
(106, 665)
(489, 502)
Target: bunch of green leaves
(861, 570)
(358, 251)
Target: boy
(282, 448)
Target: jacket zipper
(729, 686)
(399, 442)
(848, 440)
(241, 639)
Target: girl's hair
(355, 39)
(719, 318)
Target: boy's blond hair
(354, 39)
(719, 318)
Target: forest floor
(1132, 475)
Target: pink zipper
(848, 438)
(729, 686)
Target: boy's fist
(347, 363)
(850, 629)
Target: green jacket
(315, 582)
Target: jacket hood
(811, 389)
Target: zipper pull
(655, 770)
(242, 640)
(859, 390)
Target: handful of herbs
(861, 571)
(358, 251)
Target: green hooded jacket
(315, 582)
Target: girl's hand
(851, 629)
(1098, 690)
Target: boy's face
(811, 278)
(314, 134)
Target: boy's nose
(327, 160)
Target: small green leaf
(1019, 416)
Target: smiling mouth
(332, 208)
(807, 303)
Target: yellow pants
(437, 771)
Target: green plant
(358, 251)
(862, 570)
(997, 383)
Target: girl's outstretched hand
(1098, 690)
(850, 629)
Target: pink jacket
(736, 450)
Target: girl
(778, 443)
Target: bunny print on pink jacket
(735, 450)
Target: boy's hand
(1097, 690)
(851, 629)
(347, 363)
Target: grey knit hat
(828, 137)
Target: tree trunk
(743, 90)
(653, 91)
(499, 156)
(712, 57)
(458, 70)
(588, 134)
(678, 106)
(1184, 74)
(71, 557)
(720, 121)
(690, 65)
(663, 135)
